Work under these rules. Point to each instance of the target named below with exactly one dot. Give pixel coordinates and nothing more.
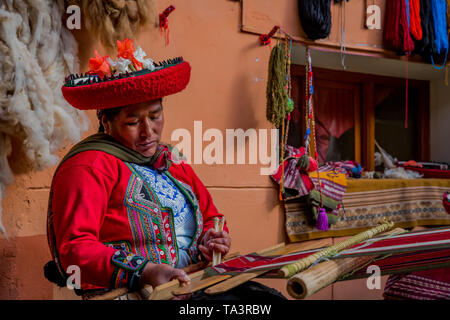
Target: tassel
(322, 220)
(164, 22)
(264, 39)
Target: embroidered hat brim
(92, 92)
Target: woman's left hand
(215, 241)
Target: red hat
(128, 80)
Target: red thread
(415, 23)
(396, 29)
(406, 104)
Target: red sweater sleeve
(207, 207)
(80, 198)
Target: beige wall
(227, 90)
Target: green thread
(276, 93)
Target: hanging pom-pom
(264, 39)
(322, 220)
(312, 164)
(164, 22)
(290, 105)
(308, 132)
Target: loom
(311, 266)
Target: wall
(227, 90)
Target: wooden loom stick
(302, 264)
(218, 227)
(198, 285)
(279, 249)
(310, 281)
(234, 282)
(219, 278)
(164, 291)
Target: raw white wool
(36, 53)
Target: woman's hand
(157, 274)
(214, 241)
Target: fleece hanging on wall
(115, 20)
(315, 18)
(36, 53)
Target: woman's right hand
(157, 274)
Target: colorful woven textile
(406, 202)
(332, 184)
(298, 182)
(403, 253)
(424, 285)
(349, 168)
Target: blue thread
(308, 132)
(439, 9)
(407, 11)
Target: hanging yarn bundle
(315, 18)
(115, 19)
(439, 9)
(415, 23)
(424, 46)
(164, 22)
(435, 30)
(396, 33)
(279, 103)
(277, 96)
(289, 108)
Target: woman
(123, 208)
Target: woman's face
(138, 126)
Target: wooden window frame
(365, 147)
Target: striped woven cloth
(399, 253)
(422, 285)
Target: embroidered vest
(153, 225)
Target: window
(352, 110)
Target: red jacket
(108, 222)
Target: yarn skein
(315, 18)
(396, 33)
(276, 93)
